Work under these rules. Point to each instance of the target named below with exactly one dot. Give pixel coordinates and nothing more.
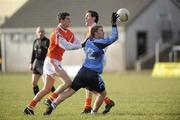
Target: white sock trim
(53, 105)
(92, 112)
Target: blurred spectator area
(8, 7)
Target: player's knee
(67, 83)
(103, 94)
(34, 83)
(46, 90)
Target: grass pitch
(138, 96)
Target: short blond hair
(95, 29)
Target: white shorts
(48, 68)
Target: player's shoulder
(46, 39)
(99, 40)
(35, 40)
(88, 41)
(69, 31)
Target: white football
(123, 15)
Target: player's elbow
(67, 84)
(68, 47)
(75, 47)
(116, 37)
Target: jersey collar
(64, 30)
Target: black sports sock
(35, 90)
(53, 89)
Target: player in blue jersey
(89, 74)
(91, 19)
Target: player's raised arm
(104, 42)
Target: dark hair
(95, 29)
(62, 15)
(93, 14)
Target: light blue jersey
(94, 51)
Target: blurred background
(151, 35)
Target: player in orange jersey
(61, 39)
(91, 19)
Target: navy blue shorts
(89, 79)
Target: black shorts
(38, 67)
(89, 79)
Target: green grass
(138, 96)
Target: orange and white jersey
(61, 40)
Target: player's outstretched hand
(114, 18)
